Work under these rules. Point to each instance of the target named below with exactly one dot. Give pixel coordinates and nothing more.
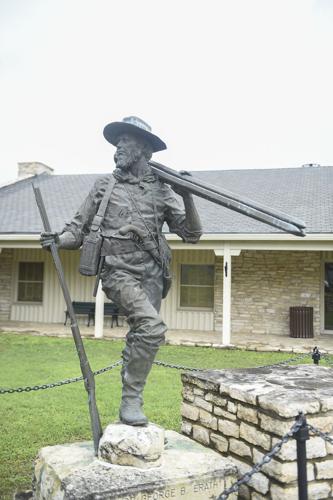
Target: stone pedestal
(243, 413)
(137, 446)
(188, 471)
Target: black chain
(178, 367)
(265, 460)
(110, 367)
(320, 433)
(188, 368)
(59, 383)
(287, 361)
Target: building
(242, 276)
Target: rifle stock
(88, 376)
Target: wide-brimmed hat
(133, 125)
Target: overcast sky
(225, 83)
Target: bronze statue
(119, 226)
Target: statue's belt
(114, 246)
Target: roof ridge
(264, 169)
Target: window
(30, 282)
(196, 286)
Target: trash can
(301, 322)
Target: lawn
(31, 420)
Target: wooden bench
(113, 311)
(89, 309)
(83, 308)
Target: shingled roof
(305, 193)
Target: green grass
(31, 420)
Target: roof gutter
(260, 237)
(212, 241)
(204, 237)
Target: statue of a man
(136, 257)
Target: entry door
(328, 283)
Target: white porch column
(99, 312)
(226, 252)
(226, 328)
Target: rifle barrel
(230, 200)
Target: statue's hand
(179, 190)
(46, 240)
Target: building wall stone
(264, 285)
(6, 266)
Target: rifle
(88, 376)
(228, 199)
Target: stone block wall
(6, 271)
(244, 413)
(264, 285)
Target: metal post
(316, 355)
(301, 436)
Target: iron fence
(59, 383)
(300, 430)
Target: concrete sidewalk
(258, 342)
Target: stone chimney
(29, 169)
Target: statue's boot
(126, 355)
(138, 359)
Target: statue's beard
(124, 160)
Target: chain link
(108, 368)
(59, 383)
(178, 367)
(320, 433)
(265, 460)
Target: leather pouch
(90, 253)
